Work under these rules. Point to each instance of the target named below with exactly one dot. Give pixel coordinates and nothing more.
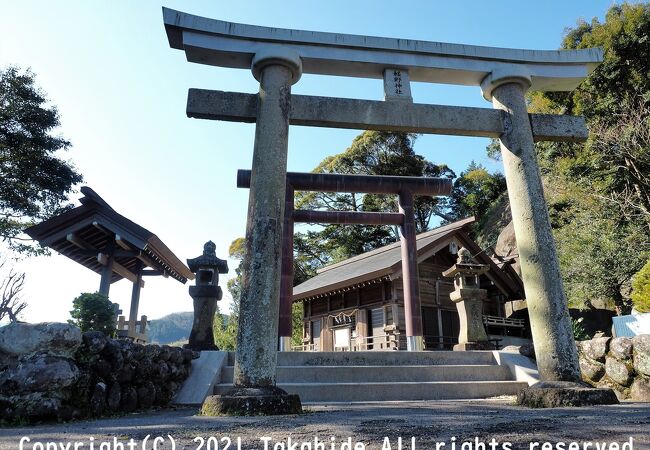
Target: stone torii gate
(278, 57)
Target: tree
(620, 152)
(225, 326)
(615, 99)
(641, 289)
(623, 74)
(297, 315)
(598, 257)
(93, 312)
(598, 192)
(236, 251)
(475, 190)
(11, 288)
(371, 153)
(34, 182)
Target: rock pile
(622, 364)
(53, 371)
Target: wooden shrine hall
(97, 237)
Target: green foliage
(34, 182)
(475, 190)
(615, 99)
(623, 75)
(224, 328)
(297, 314)
(579, 331)
(237, 248)
(493, 150)
(641, 289)
(597, 257)
(371, 153)
(599, 192)
(93, 312)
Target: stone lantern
(205, 294)
(469, 298)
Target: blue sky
(121, 92)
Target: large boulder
(112, 352)
(114, 396)
(34, 406)
(527, 349)
(98, 399)
(39, 373)
(146, 395)
(591, 370)
(641, 350)
(642, 343)
(621, 348)
(595, 349)
(176, 356)
(506, 246)
(129, 399)
(94, 342)
(618, 371)
(58, 339)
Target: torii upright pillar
(550, 324)
(555, 349)
(256, 356)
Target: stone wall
(622, 364)
(52, 371)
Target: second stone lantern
(205, 294)
(469, 298)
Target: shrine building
(357, 304)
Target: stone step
(361, 374)
(381, 358)
(401, 391)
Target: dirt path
(451, 423)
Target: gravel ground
(454, 423)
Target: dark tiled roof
(96, 223)
(374, 264)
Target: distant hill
(171, 328)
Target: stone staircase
(329, 377)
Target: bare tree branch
(11, 286)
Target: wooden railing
(503, 322)
(138, 335)
(379, 342)
(398, 341)
(306, 347)
(369, 343)
(440, 342)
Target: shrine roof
(387, 262)
(91, 228)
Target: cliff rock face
(51, 371)
(506, 246)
